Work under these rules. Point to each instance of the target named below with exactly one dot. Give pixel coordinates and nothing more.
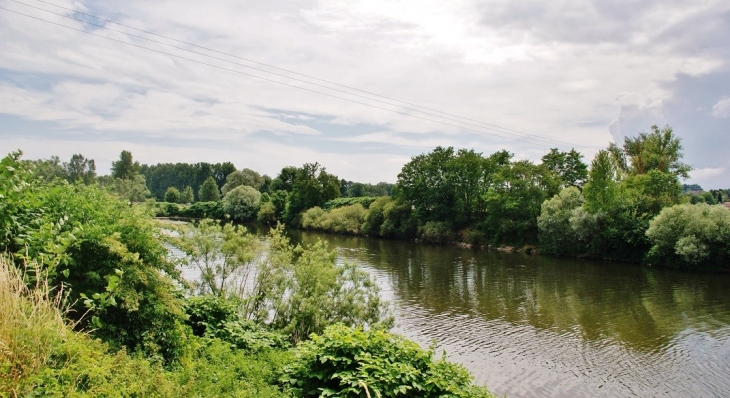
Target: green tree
(80, 169)
(104, 254)
(556, 234)
(267, 214)
(691, 236)
(304, 290)
(172, 195)
(125, 168)
(659, 150)
(132, 190)
(601, 190)
(242, 203)
(245, 177)
(311, 186)
(49, 169)
(515, 200)
(187, 195)
(568, 166)
(225, 256)
(208, 192)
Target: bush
(691, 236)
(107, 256)
(218, 317)
(172, 195)
(364, 201)
(347, 362)
(304, 290)
(398, 221)
(42, 356)
(313, 218)
(436, 232)
(267, 213)
(555, 233)
(213, 210)
(342, 220)
(374, 218)
(242, 203)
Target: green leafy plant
(352, 362)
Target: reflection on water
(536, 326)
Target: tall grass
(30, 326)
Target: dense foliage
(242, 203)
(691, 236)
(105, 253)
(347, 362)
(107, 261)
(180, 175)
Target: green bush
(267, 213)
(691, 236)
(342, 220)
(347, 362)
(313, 218)
(219, 317)
(213, 210)
(436, 232)
(364, 201)
(172, 195)
(242, 203)
(555, 233)
(107, 256)
(304, 290)
(398, 221)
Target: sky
(202, 84)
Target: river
(536, 326)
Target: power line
(498, 129)
(270, 80)
(481, 123)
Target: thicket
(347, 362)
(364, 201)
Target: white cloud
(722, 108)
(552, 69)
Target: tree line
(560, 205)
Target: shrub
(374, 218)
(242, 203)
(398, 221)
(172, 195)
(107, 256)
(436, 232)
(691, 236)
(555, 233)
(313, 218)
(347, 362)
(42, 356)
(302, 291)
(219, 317)
(364, 201)
(267, 213)
(213, 210)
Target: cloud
(722, 108)
(581, 72)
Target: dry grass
(31, 326)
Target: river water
(535, 326)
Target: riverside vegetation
(93, 304)
(627, 205)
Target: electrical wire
(260, 77)
(482, 124)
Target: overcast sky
(529, 75)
